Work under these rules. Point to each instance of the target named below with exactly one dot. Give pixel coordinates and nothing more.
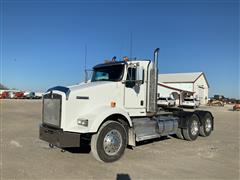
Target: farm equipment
(236, 107)
(215, 103)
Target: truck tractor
(115, 109)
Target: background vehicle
(166, 101)
(18, 95)
(215, 103)
(118, 107)
(4, 95)
(236, 107)
(190, 102)
(11, 94)
(38, 95)
(32, 95)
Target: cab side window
(131, 77)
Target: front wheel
(109, 144)
(192, 131)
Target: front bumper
(58, 137)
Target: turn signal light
(113, 104)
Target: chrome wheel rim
(194, 128)
(208, 125)
(112, 142)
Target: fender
(184, 117)
(101, 113)
(201, 115)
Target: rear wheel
(51, 145)
(207, 124)
(109, 144)
(192, 131)
(179, 133)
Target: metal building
(180, 85)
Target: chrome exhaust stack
(152, 85)
(155, 65)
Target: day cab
(116, 108)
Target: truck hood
(93, 95)
(83, 86)
(87, 90)
(93, 89)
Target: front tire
(207, 124)
(192, 131)
(109, 144)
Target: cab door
(135, 89)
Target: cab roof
(109, 64)
(113, 63)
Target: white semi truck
(118, 107)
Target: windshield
(108, 73)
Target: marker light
(125, 58)
(113, 104)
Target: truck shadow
(233, 110)
(163, 138)
(79, 150)
(83, 149)
(123, 177)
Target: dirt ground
(24, 156)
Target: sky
(43, 42)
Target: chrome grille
(52, 109)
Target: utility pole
(85, 64)
(131, 44)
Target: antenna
(131, 44)
(85, 64)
